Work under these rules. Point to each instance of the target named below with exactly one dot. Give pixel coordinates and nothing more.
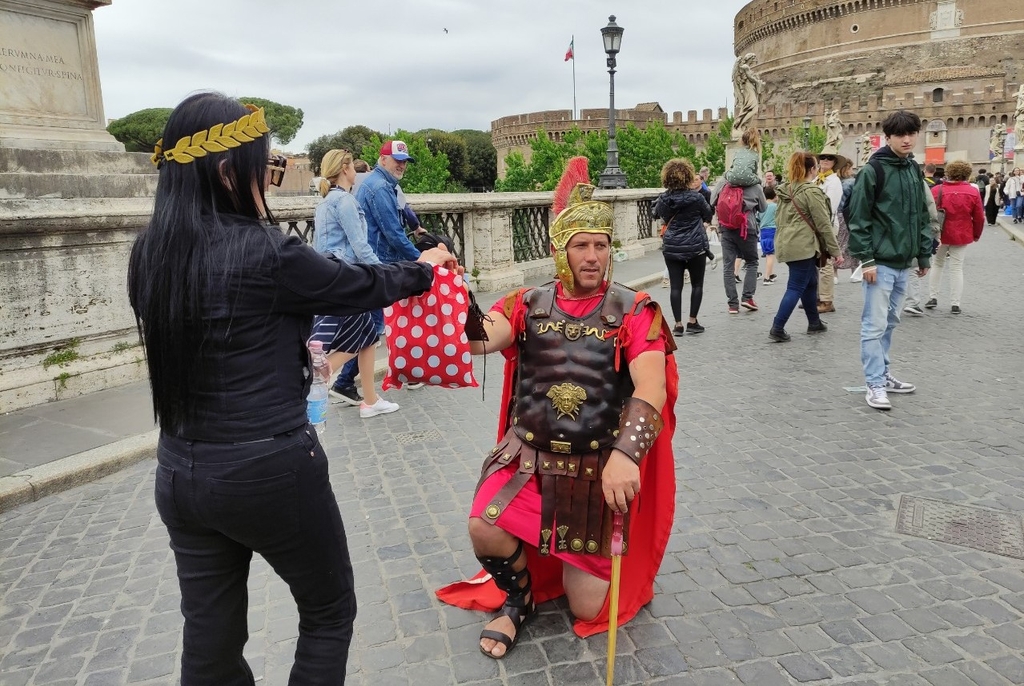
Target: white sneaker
(894, 385)
(664, 283)
(413, 385)
(875, 397)
(382, 406)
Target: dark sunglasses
(275, 167)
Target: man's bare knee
(490, 540)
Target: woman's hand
(440, 256)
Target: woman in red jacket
(965, 218)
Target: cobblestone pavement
(784, 565)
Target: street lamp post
(807, 133)
(612, 177)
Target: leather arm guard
(475, 319)
(639, 425)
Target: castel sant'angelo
(956, 63)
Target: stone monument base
(67, 222)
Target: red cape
(652, 513)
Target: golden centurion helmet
(576, 212)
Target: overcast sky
(392, 65)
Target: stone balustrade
(65, 324)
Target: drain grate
(993, 531)
(413, 437)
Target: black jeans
(695, 265)
(221, 502)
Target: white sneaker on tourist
(382, 406)
(413, 385)
(877, 398)
(894, 385)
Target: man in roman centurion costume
(585, 432)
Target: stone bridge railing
(65, 324)
(501, 237)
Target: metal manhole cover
(993, 531)
(413, 437)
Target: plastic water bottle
(317, 401)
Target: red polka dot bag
(426, 336)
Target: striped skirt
(348, 334)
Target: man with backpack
(889, 228)
(737, 229)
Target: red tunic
(651, 512)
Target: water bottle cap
(316, 346)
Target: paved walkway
(785, 565)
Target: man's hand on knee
(620, 481)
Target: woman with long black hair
(224, 304)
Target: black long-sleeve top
(256, 346)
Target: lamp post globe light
(807, 133)
(612, 176)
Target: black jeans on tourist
(696, 266)
(221, 502)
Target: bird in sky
(446, 30)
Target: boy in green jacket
(889, 228)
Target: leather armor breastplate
(568, 394)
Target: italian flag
(569, 53)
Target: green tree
(518, 175)
(642, 153)
(428, 174)
(284, 120)
(481, 160)
(713, 154)
(351, 138)
(139, 131)
(454, 148)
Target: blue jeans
(883, 302)
(220, 503)
(1018, 207)
(803, 287)
(347, 378)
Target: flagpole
(573, 44)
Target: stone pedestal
(49, 77)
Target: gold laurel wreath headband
(218, 138)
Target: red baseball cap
(397, 149)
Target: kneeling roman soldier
(586, 425)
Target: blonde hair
(752, 139)
(958, 170)
(333, 163)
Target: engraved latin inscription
(41, 66)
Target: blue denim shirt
(379, 200)
(341, 228)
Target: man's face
(902, 145)
(588, 255)
(769, 178)
(393, 166)
(704, 174)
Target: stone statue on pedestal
(1018, 118)
(833, 130)
(747, 89)
(997, 141)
